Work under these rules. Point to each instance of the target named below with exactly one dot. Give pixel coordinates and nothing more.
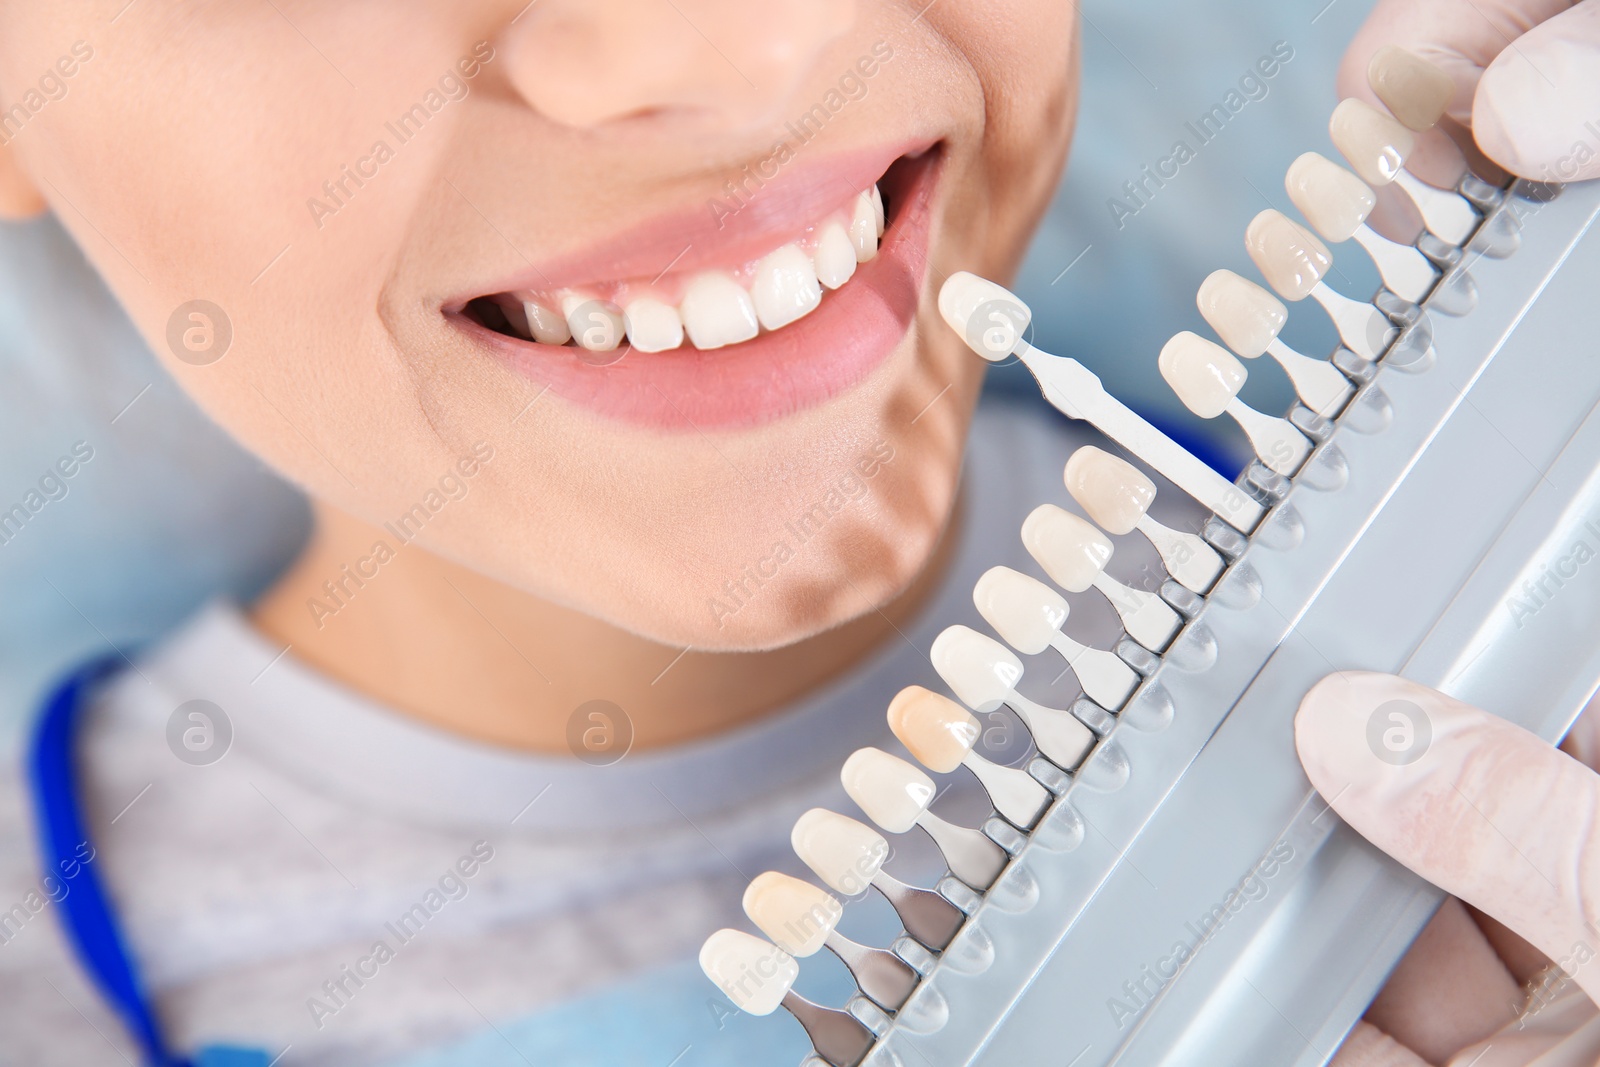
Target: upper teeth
(716, 307)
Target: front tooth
(864, 228)
(1114, 492)
(892, 792)
(836, 256)
(548, 327)
(1072, 551)
(1244, 315)
(596, 324)
(1287, 254)
(1205, 375)
(877, 208)
(1375, 144)
(652, 325)
(717, 311)
(796, 915)
(843, 852)
(785, 287)
(755, 974)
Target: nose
(584, 63)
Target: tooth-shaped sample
(1024, 611)
(1375, 144)
(877, 208)
(800, 919)
(1294, 261)
(941, 733)
(1291, 259)
(1337, 203)
(1333, 200)
(796, 915)
(847, 855)
(892, 792)
(983, 673)
(653, 326)
(1071, 551)
(896, 795)
(836, 257)
(595, 324)
(1377, 147)
(1245, 316)
(758, 976)
(1117, 495)
(1028, 614)
(755, 974)
(991, 321)
(1206, 378)
(1415, 91)
(1074, 553)
(548, 327)
(987, 316)
(1248, 318)
(1114, 492)
(864, 228)
(785, 287)
(717, 311)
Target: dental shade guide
(1159, 884)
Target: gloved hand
(1510, 826)
(1527, 78)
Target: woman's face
(355, 202)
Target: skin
(580, 562)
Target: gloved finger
(1450, 990)
(1522, 960)
(1582, 742)
(1367, 1046)
(1460, 36)
(1536, 111)
(1479, 807)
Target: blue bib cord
(84, 907)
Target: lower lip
(789, 370)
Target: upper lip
(755, 220)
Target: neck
(441, 643)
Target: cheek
(179, 194)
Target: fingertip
(1355, 726)
(1528, 113)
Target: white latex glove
(1507, 824)
(1527, 77)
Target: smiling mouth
(749, 323)
(704, 309)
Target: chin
(851, 569)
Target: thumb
(1367, 1046)
(1536, 111)
(1479, 807)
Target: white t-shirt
(255, 891)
